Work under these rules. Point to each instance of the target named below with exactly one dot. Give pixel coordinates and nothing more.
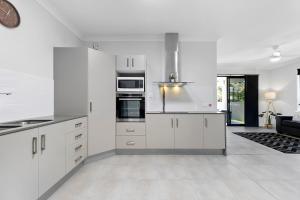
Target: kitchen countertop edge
(56, 119)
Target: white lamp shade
(270, 95)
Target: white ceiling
(245, 29)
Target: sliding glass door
(236, 101)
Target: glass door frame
(228, 111)
(229, 101)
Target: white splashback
(32, 96)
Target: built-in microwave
(130, 107)
(130, 84)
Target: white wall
(26, 60)
(283, 81)
(197, 64)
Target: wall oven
(130, 107)
(130, 84)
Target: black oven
(130, 107)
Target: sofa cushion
(291, 123)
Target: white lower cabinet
(188, 131)
(52, 156)
(214, 131)
(33, 161)
(160, 131)
(185, 131)
(19, 165)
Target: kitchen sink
(18, 124)
(37, 121)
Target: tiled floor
(249, 172)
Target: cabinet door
(188, 131)
(52, 158)
(19, 166)
(102, 114)
(214, 131)
(160, 131)
(138, 62)
(123, 63)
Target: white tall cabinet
(84, 85)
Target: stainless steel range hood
(172, 76)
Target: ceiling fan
(276, 55)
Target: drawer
(131, 128)
(76, 153)
(131, 142)
(75, 124)
(75, 148)
(75, 136)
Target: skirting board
(100, 156)
(170, 151)
(53, 189)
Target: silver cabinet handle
(78, 136)
(130, 130)
(78, 148)
(91, 107)
(130, 143)
(127, 62)
(132, 62)
(172, 123)
(34, 145)
(78, 125)
(177, 123)
(78, 159)
(43, 142)
(205, 123)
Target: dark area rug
(279, 142)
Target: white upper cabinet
(188, 131)
(52, 157)
(19, 165)
(131, 63)
(214, 131)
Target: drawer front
(76, 136)
(131, 142)
(75, 124)
(76, 153)
(129, 128)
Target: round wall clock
(9, 15)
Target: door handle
(91, 107)
(132, 62)
(127, 62)
(43, 142)
(34, 145)
(205, 123)
(172, 123)
(130, 143)
(177, 123)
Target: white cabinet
(19, 165)
(126, 63)
(101, 87)
(188, 131)
(185, 131)
(52, 155)
(84, 84)
(160, 131)
(214, 131)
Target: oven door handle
(131, 99)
